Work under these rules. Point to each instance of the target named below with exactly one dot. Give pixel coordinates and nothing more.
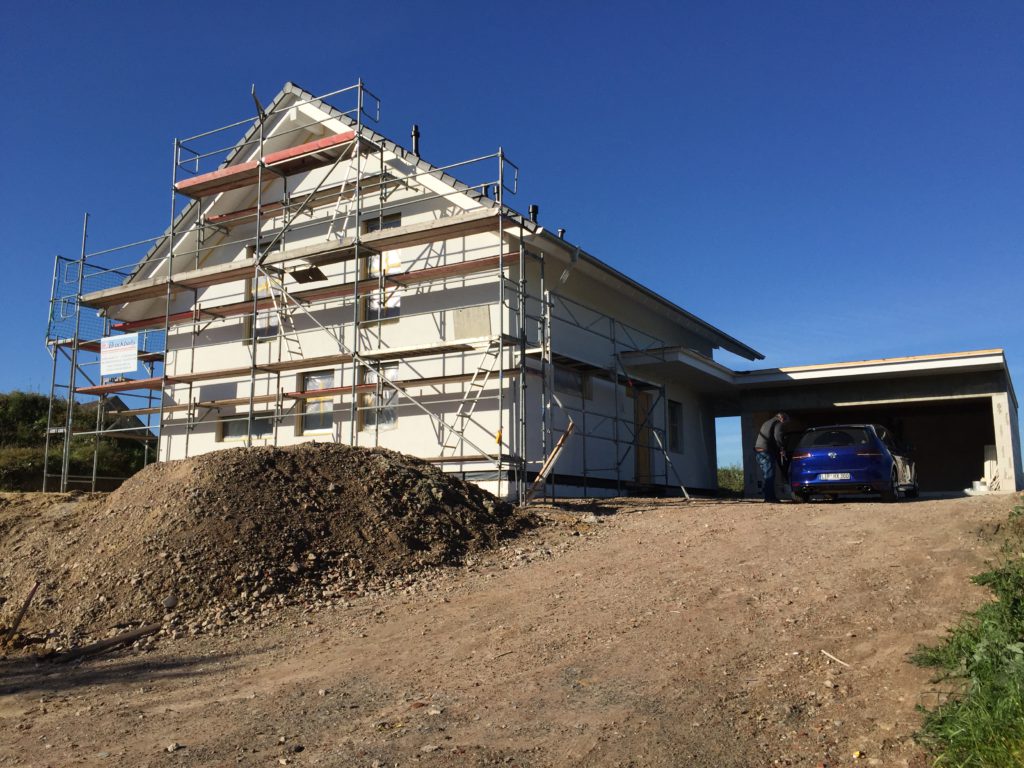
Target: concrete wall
(1007, 441)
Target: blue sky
(824, 181)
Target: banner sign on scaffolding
(119, 354)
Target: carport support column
(1004, 419)
(751, 474)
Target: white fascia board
(682, 356)
(992, 360)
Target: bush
(21, 468)
(983, 726)
(730, 478)
(23, 418)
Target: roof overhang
(689, 369)
(705, 376)
(884, 368)
(549, 242)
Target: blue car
(851, 459)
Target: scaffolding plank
(221, 180)
(447, 228)
(137, 290)
(463, 459)
(155, 287)
(121, 386)
(316, 254)
(371, 183)
(309, 155)
(232, 401)
(418, 383)
(244, 213)
(323, 361)
(152, 410)
(419, 350)
(221, 373)
(286, 161)
(437, 230)
(412, 277)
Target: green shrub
(730, 478)
(23, 418)
(983, 726)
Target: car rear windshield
(835, 437)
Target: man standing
(770, 449)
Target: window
(385, 301)
(833, 438)
(380, 411)
(570, 382)
(376, 224)
(675, 426)
(266, 325)
(318, 412)
(237, 427)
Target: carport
(958, 411)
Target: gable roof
(295, 95)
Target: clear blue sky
(823, 180)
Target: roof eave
(719, 338)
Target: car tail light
(796, 456)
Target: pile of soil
(203, 542)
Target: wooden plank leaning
(21, 615)
(549, 464)
(111, 642)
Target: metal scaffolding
(113, 279)
(328, 192)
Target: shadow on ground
(28, 675)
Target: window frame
(581, 390)
(306, 414)
(242, 419)
(382, 304)
(261, 289)
(370, 408)
(674, 420)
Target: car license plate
(834, 476)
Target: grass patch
(731, 478)
(983, 725)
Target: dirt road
(625, 633)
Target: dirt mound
(225, 536)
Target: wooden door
(642, 437)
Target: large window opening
(675, 426)
(379, 410)
(318, 412)
(237, 427)
(385, 301)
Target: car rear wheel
(892, 492)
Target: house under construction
(320, 282)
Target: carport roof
(704, 375)
(889, 367)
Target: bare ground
(625, 633)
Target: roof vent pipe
(534, 209)
(416, 139)
(561, 233)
